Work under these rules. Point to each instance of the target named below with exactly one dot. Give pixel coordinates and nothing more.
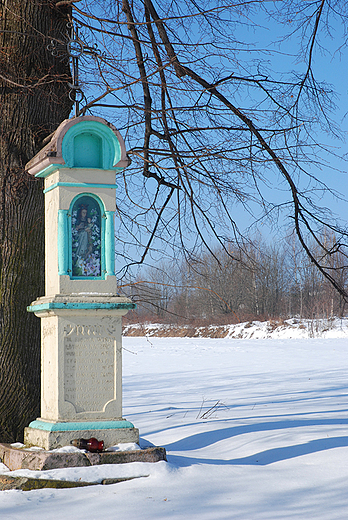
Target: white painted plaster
(81, 363)
(60, 198)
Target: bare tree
(209, 121)
(254, 280)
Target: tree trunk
(33, 101)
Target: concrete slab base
(50, 440)
(24, 458)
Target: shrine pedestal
(81, 375)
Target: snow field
(254, 430)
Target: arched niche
(87, 237)
(90, 144)
(88, 150)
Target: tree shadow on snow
(266, 457)
(207, 438)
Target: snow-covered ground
(254, 430)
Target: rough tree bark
(33, 101)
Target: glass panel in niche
(86, 237)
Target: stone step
(28, 484)
(22, 458)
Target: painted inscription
(89, 368)
(84, 330)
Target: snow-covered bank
(254, 430)
(274, 329)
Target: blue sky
(330, 64)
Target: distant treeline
(241, 282)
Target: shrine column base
(81, 376)
(50, 436)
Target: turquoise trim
(42, 307)
(49, 169)
(103, 239)
(80, 426)
(80, 185)
(63, 242)
(110, 243)
(69, 245)
(91, 144)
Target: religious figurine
(85, 242)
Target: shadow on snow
(267, 457)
